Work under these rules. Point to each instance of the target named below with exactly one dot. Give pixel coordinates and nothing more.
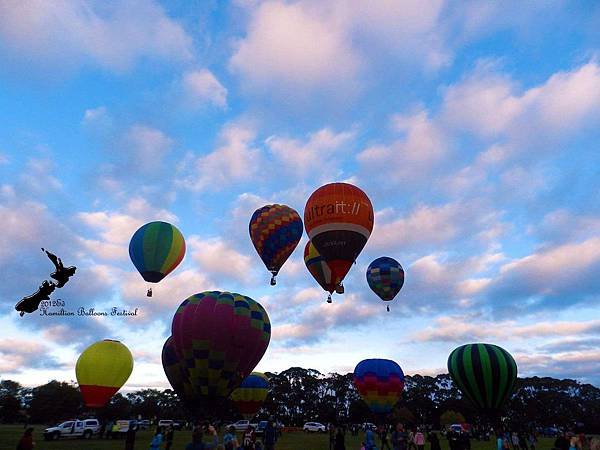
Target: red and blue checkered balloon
(385, 277)
(380, 383)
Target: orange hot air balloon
(338, 219)
(101, 370)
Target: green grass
(10, 435)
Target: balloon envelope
(251, 394)
(176, 374)
(385, 277)
(101, 370)
(275, 231)
(380, 383)
(319, 269)
(485, 374)
(156, 249)
(338, 218)
(218, 338)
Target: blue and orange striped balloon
(380, 383)
(156, 249)
(251, 394)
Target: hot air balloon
(385, 277)
(275, 231)
(101, 370)
(485, 374)
(218, 337)
(338, 218)
(176, 374)
(251, 394)
(320, 270)
(380, 383)
(156, 249)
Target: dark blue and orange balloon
(275, 231)
(380, 383)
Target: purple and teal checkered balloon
(385, 277)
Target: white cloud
(73, 32)
(422, 149)
(37, 177)
(314, 156)
(566, 272)
(201, 86)
(219, 259)
(147, 146)
(292, 46)
(461, 329)
(489, 104)
(234, 160)
(434, 225)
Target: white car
(241, 425)
(311, 427)
(73, 428)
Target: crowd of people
(205, 437)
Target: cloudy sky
(472, 126)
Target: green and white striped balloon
(485, 374)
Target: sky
(472, 126)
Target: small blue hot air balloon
(385, 276)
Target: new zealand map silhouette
(61, 275)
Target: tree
(55, 401)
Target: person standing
(157, 439)
(331, 436)
(109, 426)
(434, 441)
(169, 437)
(248, 439)
(197, 443)
(369, 439)
(230, 441)
(515, 441)
(270, 435)
(419, 440)
(340, 441)
(26, 441)
(383, 436)
(130, 435)
(532, 440)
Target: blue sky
(473, 128)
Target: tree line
(299, 395)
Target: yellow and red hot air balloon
(101, 370)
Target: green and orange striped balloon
(156, 249)
(485, 374)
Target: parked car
(73, 428)
(312, 427)
(241, 425)
(144, 424)
(369, 426)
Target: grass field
(9, 436)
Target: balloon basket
(149, 292)
(329, 299)
(388, 308)
(273, 281)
